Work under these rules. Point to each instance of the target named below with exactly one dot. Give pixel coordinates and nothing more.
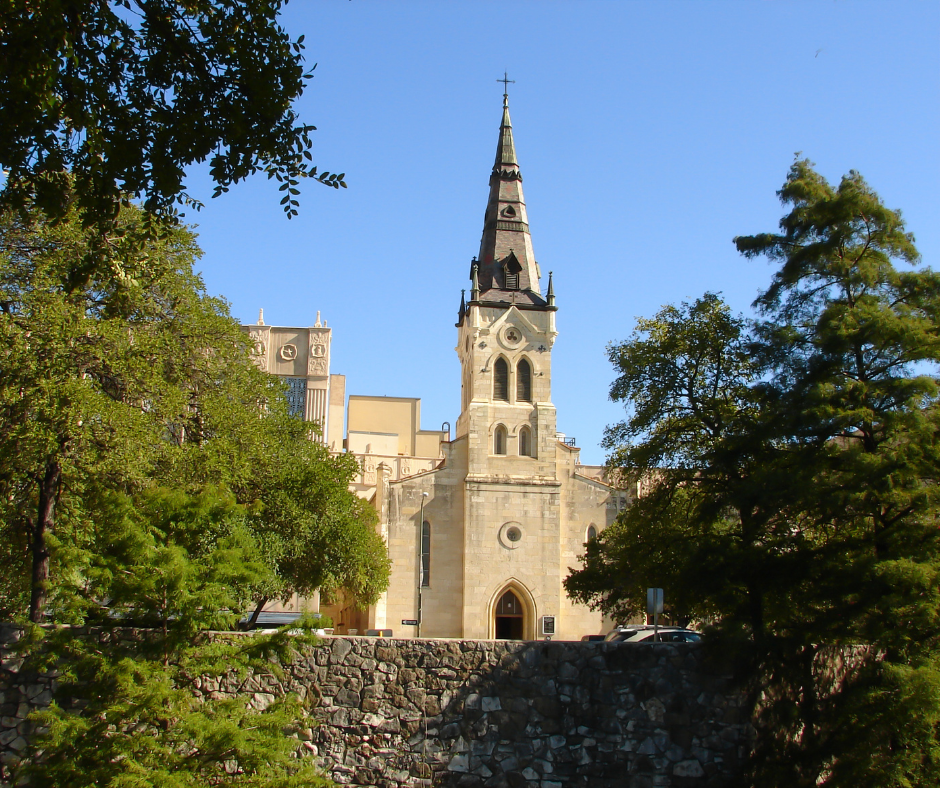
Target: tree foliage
(112, 100)
(790, 468)
(157, 704)
(152, 477)
(144, 381)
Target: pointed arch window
(523, 381)
(591, 532)
(499, 440)
(501, 380)
(525, 442)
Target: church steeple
(507, 271)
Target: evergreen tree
(149, 694)
(791, 465)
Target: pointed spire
(507, 269)
(550, 294)
(261, 317)
(474, 281)
(463, 308)
(506, 150)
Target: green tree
(145, 380)
(129, 709)
(111, 100)
(152, 477)
(791, 464)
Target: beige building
(482, 533)
(301, 358)
(482, 528)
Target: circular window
(511, 337)
(510, 535)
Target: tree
(152, 478)
(792, 465)
(128, 708)
(141, 381)
(111, 100)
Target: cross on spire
(506, 83)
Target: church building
(482, 526)
(481, 544)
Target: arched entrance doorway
(509, 617)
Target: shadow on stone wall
(483, 714)
(488, 714)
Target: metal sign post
(654, 606)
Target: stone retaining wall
(488, 714)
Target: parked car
(644, 633)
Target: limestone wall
(491, 713)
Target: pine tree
(790, 468)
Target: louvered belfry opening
(501, 380)
(509, 617)
(524, 381)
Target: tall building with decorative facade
(301, 358)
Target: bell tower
(505, 335)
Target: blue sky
(648, 134)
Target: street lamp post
(424, 496)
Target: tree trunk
(253, 621)
(45, 519)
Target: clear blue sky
(648, 134)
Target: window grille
(499, 440)
(297, 397)
(525, 442)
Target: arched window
(524, 381)
(499, 440)
(591, 533)
(525, 442)
(501, 380)
(425, 554)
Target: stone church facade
(481, 544)
(481, 528)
